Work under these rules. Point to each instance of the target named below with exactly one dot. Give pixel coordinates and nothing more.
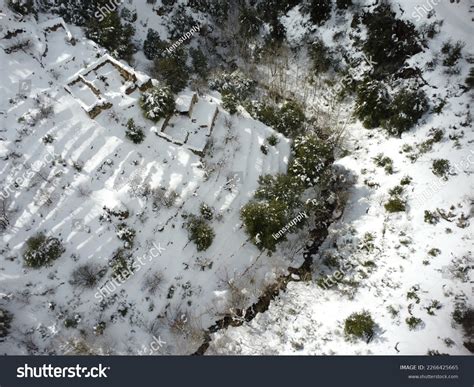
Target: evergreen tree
(111, 34)
(157, 103)
(264, 219)
(172, 70)
(320, 11)
(199, 62)
(310, 157)
(154, 47)
(134, 132)
(390, 41)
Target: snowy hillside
(396, 266)
(167, 176)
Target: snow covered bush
(121, 265)
(126, 234)
(133, 132)
(200, 232)
(284, 188)
(157, 103)
(41, 250)
(161, 197)
(206, 211)
(406, 109)
(451, 53)
(230, 102)
(310, 156)
(74, 11)
(287, 119)
(262, 219)
(86, 275)
(235, 83)
(153, 282)
(22, 6)
(5, 321)
(360, 326)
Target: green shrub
(289, 119)
(235, 83)
(395, 204)
(99, 328)
(249, 22)
(390, 41)
(451, 53)
(230, 103)
(441, 168)
(372, 103)
(157, 103)
(5, 323)
(406, 109)
(200, 232)
(134, 133)
(263, 219)
(413, 322)
(71, 322)
(283, 188)
(383, 161)
(272, 140)
(406, 180)
(310, 156)
(360, 325)
(41, 250)
(321, 56)
(199, 62)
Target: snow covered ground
(89, 179)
